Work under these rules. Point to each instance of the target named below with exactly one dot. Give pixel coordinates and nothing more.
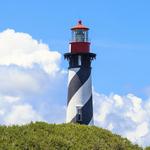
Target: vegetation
(43, 136)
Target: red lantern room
(79, 42)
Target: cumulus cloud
(30, 75)
(22, 50)
(13, 111)
(127, 115)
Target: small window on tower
(79, 61)
(69, 47)
(79, 115)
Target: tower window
(79, 115)
(79, 61)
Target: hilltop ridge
(44, 136)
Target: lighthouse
(79, 101)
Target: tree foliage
(43, 136)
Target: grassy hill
(43, 136)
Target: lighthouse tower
(79, 104)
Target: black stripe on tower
(77, 81)
(87, 113)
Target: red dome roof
(80, 26)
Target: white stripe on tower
(71, 74)
(80, 95)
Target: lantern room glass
(80, 35)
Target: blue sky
(34, 35)
(119, 35)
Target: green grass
(43, 136)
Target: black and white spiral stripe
(80, 95)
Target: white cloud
(30, 77)
(10, 99)
(127, 115)
(14, 111)
(22, 114)
(22, 50)
(15, 80)
(140, 131)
